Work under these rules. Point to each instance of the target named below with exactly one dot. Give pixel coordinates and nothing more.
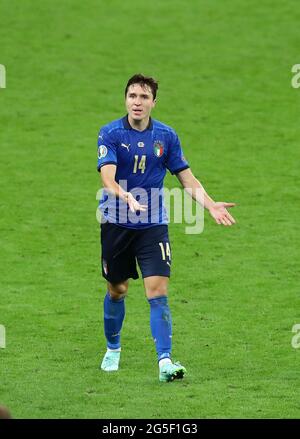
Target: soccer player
(134, 153)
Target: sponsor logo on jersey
(125, 146)
(158, 148)
(102, 151)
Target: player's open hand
(221, 214)
(134, 205)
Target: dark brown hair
(143, 80)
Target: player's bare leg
(118, 291)
(156, 289)
(114, 312)
(156, 286)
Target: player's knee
(152, 294)
(156, 291)
(118, 291)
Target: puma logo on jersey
(125, 146)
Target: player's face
(139, 102)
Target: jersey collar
(127, 125)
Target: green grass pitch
(225, 85)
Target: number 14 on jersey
(139, 164)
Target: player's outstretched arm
(195, 189)
(108, 175)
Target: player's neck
(139, 125)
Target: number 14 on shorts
(165, 250)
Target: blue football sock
(114, 312)
(161, 326)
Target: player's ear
(154, 103)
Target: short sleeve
(107, 153)
(175, 161)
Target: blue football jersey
(142, 159)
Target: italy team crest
(158, 148)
